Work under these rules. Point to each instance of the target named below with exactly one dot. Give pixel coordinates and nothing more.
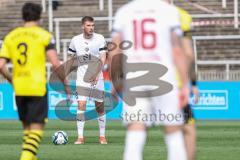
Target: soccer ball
(59, 138)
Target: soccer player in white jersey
(153, 27)
(86, 45)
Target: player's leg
(135, 141)
(82, 101)
(26, 128)
(99, 105)
(135, 119)
(22, 114)
(190, 140)
(81, 119)
(33, 120)
(172, 117)
(101, 121)
(175, 143)
(189, 131)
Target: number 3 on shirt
(140, 34)
(23, 48)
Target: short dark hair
(31, 12)
(87, 18)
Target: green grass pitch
(217, 140)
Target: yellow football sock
(31, 145)
(25, 135)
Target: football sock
(102, 125)
(175, 146)
(31, 144)
(134, 144)
(25, 135)
(80, 123)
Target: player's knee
(189, 130)
(136, 127)
(80, 115)
(81, 105)
(172, 129)
(100, 108)
(36, 126)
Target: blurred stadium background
(216, 42)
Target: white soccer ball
(59, 138)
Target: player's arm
(102, 59)
(103, 54)
(186, 20)
(4, 58)
(116, 55)
(115, 63)
(180, 61)
(187, 46)
(71, 54)
(103, 50)
(193, 78)
(4, 71)
(179, 57)
(53, 59)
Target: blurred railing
(212, 75)
(226, 74)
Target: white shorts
(161, 110)
(91, 94)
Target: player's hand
(117, 90)
(68, 92)
(195, 93)
(114, 93)
(184, 96)
(94, 80)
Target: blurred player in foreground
(189, 127)
(87, 45)
(26, 47)
(154, 29)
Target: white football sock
(175, 145)
(134, 145)
(102, 125)
(80, 123)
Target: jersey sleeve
(118, 24)
(5, 50)
(71, 49)
(103, 46)
(49, 41)
(186, 20)
(174, 22)
(51, 44)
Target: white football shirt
(148, 25)
(86, 48)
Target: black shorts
(32, 109)
(188, 115)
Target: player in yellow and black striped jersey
(189, 127)
(26, 47)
